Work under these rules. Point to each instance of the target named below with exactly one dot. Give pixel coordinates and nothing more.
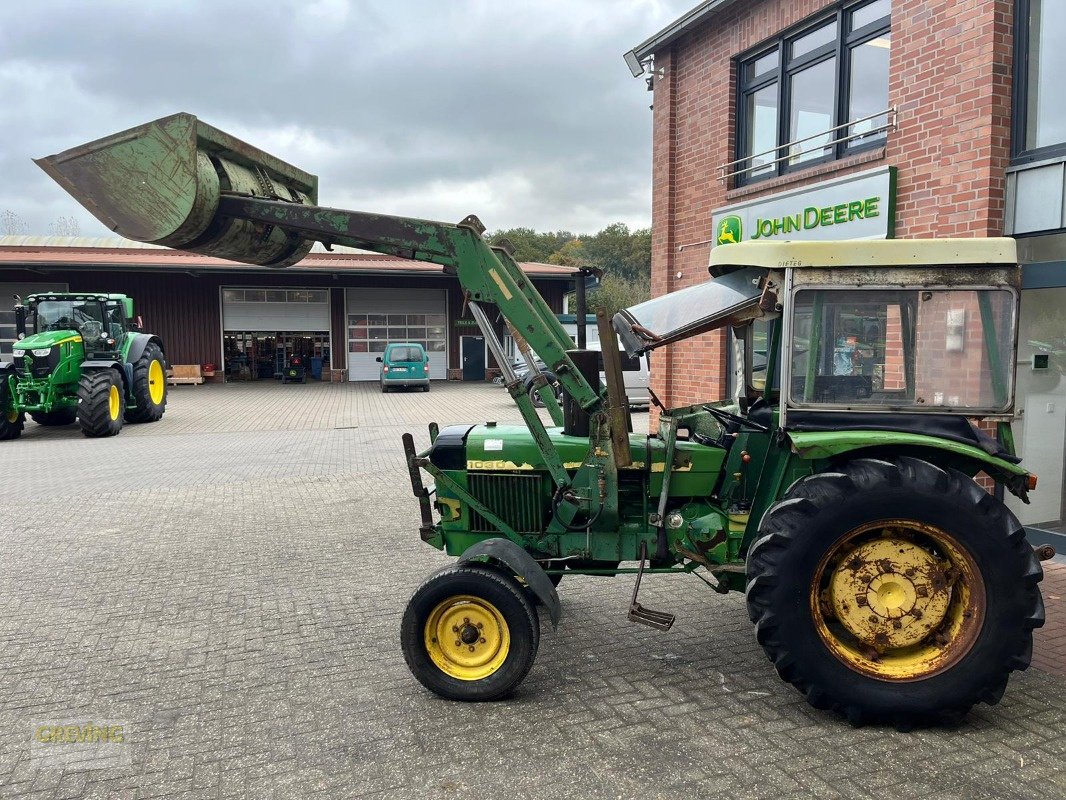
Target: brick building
(838, 119)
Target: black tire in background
(97, 412)
(498, 592)
(149, 386)
(11, 425)
(62, 416)
(799, 532)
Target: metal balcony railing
(734, 168)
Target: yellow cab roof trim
(865, 253)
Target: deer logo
(730, 230)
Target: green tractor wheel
(470, 633)
(894, 591)
(149, 386)
(101, 398)
(11, 424)
(62, 416)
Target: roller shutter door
(379, 316)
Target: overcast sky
(520, 112)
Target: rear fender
(505, 553)
(138, 344)
(942, 452)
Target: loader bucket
(161, 182)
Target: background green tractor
(81, 356)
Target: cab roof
(38, 296)
(864, 253)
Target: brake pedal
(660, 620)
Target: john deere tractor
(81, 356)
(835, 487)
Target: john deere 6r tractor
(80, 356)
(835, 488)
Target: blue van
(404, 364)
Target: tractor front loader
(835, 487)
(81, 356)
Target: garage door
(7, 311)
(275, 309)
(379, 316)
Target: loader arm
(184, 184)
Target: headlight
(41, 352)
(18, 353)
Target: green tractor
(81, 356)
(836, 487)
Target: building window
(815, 93)
(1040, 61)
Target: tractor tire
(11, 425)
(470, 633)
(894, 592)
(64, 416)
(101, 398)
(149, 386)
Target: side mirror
(378, 359)
(20, 321)
(139, 323)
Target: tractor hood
(730, 299)
(39, 341)
(511, 448)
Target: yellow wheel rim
(114, 402)
(898, 600)
(156, 382)
(12, 416)
(467, 637)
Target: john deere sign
(860, 206)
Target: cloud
(520, 112)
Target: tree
(64, 226)
(616, 292)
(11, 224)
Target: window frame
(782, 77)
(1020, 94)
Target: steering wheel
(726, 416)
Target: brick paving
(1049, 642)
(227, 584)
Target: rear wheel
(11, 425)
(894, 592)
(469, 633)
(149, 386)
(100, 403)
(62, 416)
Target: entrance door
(472, 349)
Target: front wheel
(101, 402)
(11, 425)
(470, 633)
(894, 591)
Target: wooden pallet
(185, 374)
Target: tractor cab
(101, 320)
(904, 336)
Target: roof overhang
(636, 57)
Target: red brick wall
(949, 80)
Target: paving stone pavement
(227, 585)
